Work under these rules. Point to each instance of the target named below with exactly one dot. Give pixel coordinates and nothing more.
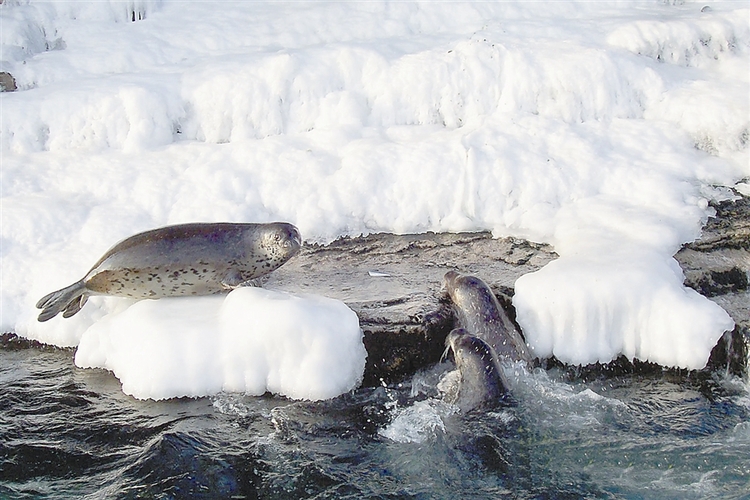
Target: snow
(251, 340)
(602, 128)
(640, 310)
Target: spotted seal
(481, 315)
(185, 259)
(481, 380)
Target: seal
(481, 380)
(481, 315)
(174, 261)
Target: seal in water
(481, 314)
(481, 380)
(173, 261)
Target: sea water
(67, 432)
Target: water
(71, 433)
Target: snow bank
(593, 127)
(251, 340)
(640, 310)
(713, 111)
(695, 41)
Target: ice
(603, 129)
(250, 341)
(641, 311)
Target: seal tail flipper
(69, 301)
(75, 305)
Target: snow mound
(251, 340)
(687, 42)
(641, 310)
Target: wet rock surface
(717, 265)
(394, 284)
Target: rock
(12, 342)
(717, 265)
(730, 354)
(7, 82)
(393, 283)
(714, 282)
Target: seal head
(481, 380)
(181, 260)
(481, 314)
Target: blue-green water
(72, 433)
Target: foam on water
(419, 422)
(541, 400)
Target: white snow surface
(602, 128)
(251, 340)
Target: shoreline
(393, 283)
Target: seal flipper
(75, 305)
(234, 279)
(68, 300)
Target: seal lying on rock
(480, 377)
(481, 315)
(173, 261)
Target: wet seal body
(181, 260)
(481, 379)
(481, 315)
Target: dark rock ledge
(393, 283)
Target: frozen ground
(602, 129)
